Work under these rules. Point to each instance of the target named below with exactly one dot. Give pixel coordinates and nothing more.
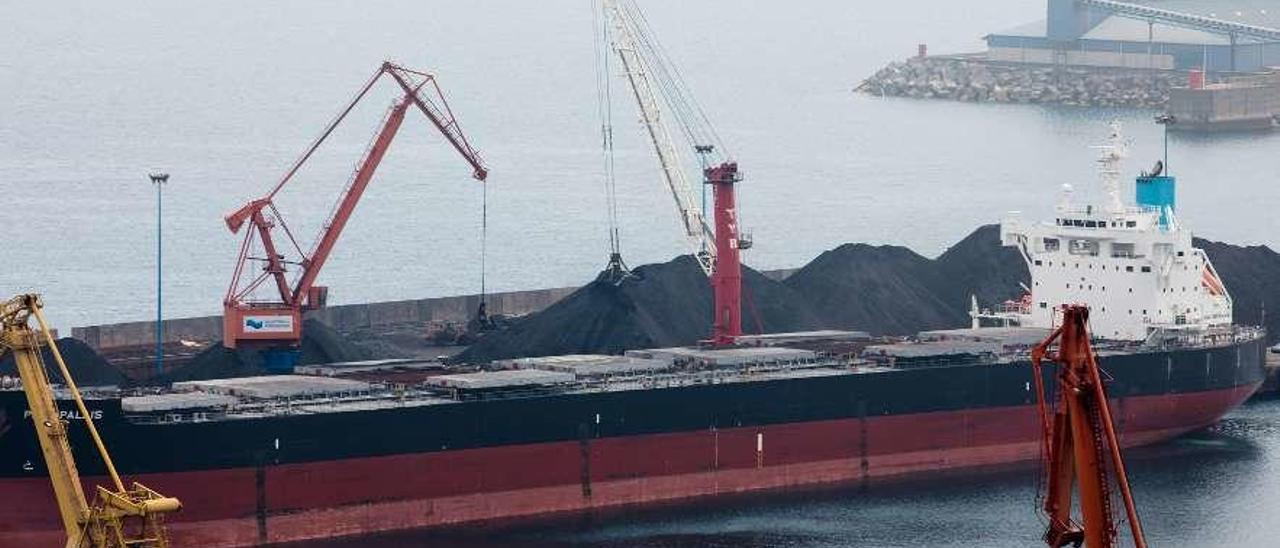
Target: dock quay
(1238, 103)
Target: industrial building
(1216, 36)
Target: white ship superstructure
(1133, 264)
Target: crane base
(280, 360)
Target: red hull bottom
(360, 496)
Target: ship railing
(10, 383)
(1201, 337)
(285, 405)
(746, 372)
(902, 362)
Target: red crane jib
(1079, 444)
(726, 278)
(278, 321)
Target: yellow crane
(118, 517)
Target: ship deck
(397, 384)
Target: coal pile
(979, 265)
(665, 304)
(1252, 277)
(890, 290)
(320, 344)
(86, 366)
(884, 290)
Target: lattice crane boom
(279, 319)
(637, 71)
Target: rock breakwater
(975, 79)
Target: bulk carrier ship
(359, 448)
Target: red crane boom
(278, 321)
(1080, 445)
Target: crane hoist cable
(482, 312)
(616, 270)
(691, 117)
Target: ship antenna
(1109, 166)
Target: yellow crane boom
(119, 517)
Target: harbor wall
(344, 318)
(1243, 100)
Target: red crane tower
(276, 322)
(1079, 442)
(726, 278)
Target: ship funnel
(1158, 191)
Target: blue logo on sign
(254, 324)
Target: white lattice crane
(655, 83)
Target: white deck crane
(628, 38)
(654, 81)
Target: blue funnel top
(1158, 192)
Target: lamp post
(1166, 120)
(159, 180)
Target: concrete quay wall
(344, 318)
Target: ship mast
(1109, 161)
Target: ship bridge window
(1077, 222)
(1123, 250)
(1128, 269)
(1050, 244)
(1082, 247)
(1146, 269)
(1131, 224)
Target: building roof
(1124, 29)
(1034, 29)
(1253, 12)
(1117, 28)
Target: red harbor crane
(1080, 447)
(276, 322)
(658, 89)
